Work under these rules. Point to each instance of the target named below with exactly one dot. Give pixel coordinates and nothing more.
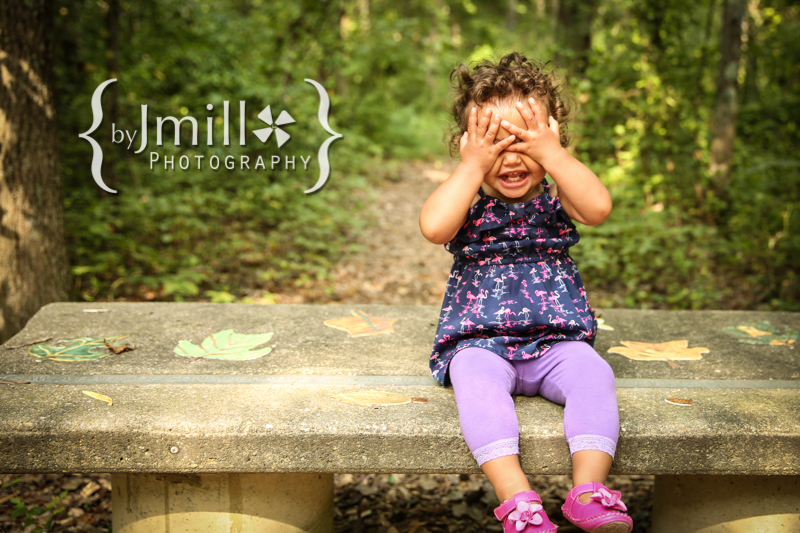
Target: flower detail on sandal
(604, 513)
(524, 513)
(609, 498)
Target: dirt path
(396, 266)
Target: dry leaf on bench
(679, 401)
(669, 351)
(118, 348)
(601, 324)
(97, 396)
(372, 397)
(362, 324)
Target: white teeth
(513, 177)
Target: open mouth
(514, 178)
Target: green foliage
(32, 514)
(646, 82)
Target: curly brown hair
(513, 76)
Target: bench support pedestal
(274, 503)
(726, 504)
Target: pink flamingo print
(466, 322)
(557, 305)
(543, 303)
(471, 297)
(557, 320)
(506, 313)
(525, 291)
(511, 351)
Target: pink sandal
(524, 514)
(603, 514)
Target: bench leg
(274, 503)
(726, 504)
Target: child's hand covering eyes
(477, 144)
(539, 141)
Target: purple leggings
(570, 373)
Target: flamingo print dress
(513, 288)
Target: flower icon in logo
(264, 133)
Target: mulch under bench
(395, 503)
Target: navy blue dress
(513, 288)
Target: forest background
(687, 231)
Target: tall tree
(723, 126)
(574, 32)
(33, 254)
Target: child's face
(515, 177)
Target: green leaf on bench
(227, 345)
(83, 349)
(763, 333)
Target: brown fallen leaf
(680, 401)
(117, 349)
(45, 339)
(664, 351)
(372, 397)
(12, 382)
(362, 324)
(98, 396)
(420, 400)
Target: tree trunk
(574, 32)
(33, 254)
(723, 126)
(750, 89)
(110, 151)
(511, 16)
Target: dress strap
(481, 193)
(546, 186)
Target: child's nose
(511, 157)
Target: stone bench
(253, 445)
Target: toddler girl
(515, 319)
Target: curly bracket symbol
(97, 151)
(324, 165)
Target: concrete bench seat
(253, 445)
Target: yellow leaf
(372, 397)
(96, 396)
(753, 332)
(790, 342)
(601, 324)
(362, 324)
(646, 351)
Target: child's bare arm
(582, 194)
(445, 211)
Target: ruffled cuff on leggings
(496, 449)
(592, 442)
